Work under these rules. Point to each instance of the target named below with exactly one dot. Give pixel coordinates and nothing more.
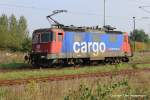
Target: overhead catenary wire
(70, 12)
(137, 1)
(22, 6)
(143, 8)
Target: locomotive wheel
(113, 61)
(110, 61)
(86, 62)
(77, 62)
(125, 59)
(35, 64)
(106, 60)
(64, 63)
(118, 61)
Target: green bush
(101, 92)
(14, 33)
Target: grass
(35, 73)
(58, 72)
(13, 65)
(138, 57)
(82, 89)
(91, 87)
(9, 57)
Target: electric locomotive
(78, 45)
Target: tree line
(14, 34)
(139, 36)
(140, 41)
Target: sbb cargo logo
(84, 47)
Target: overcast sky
(119, 13)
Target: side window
(60, 36)
(45, 37)
(50, 36)
(38, 38)
(54, 36)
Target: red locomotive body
(78, 46)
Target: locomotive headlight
(38, 46)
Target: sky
(119, 13)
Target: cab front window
(36, 38)
(46, 37)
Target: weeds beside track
(69, 77)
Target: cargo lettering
(85, 47)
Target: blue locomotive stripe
(68, 42)
(106, 38)
(112, 41)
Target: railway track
(30, 68)
(70, 77)
(136, 62)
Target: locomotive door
(59, 40)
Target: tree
(15, 37)
(139, 36)
(3, 31)
(4, 22)
(13, 24)
(26, 45)
(25, 40)
(14, 34)
(22, 27)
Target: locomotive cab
(47, 41)
(41, 41)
